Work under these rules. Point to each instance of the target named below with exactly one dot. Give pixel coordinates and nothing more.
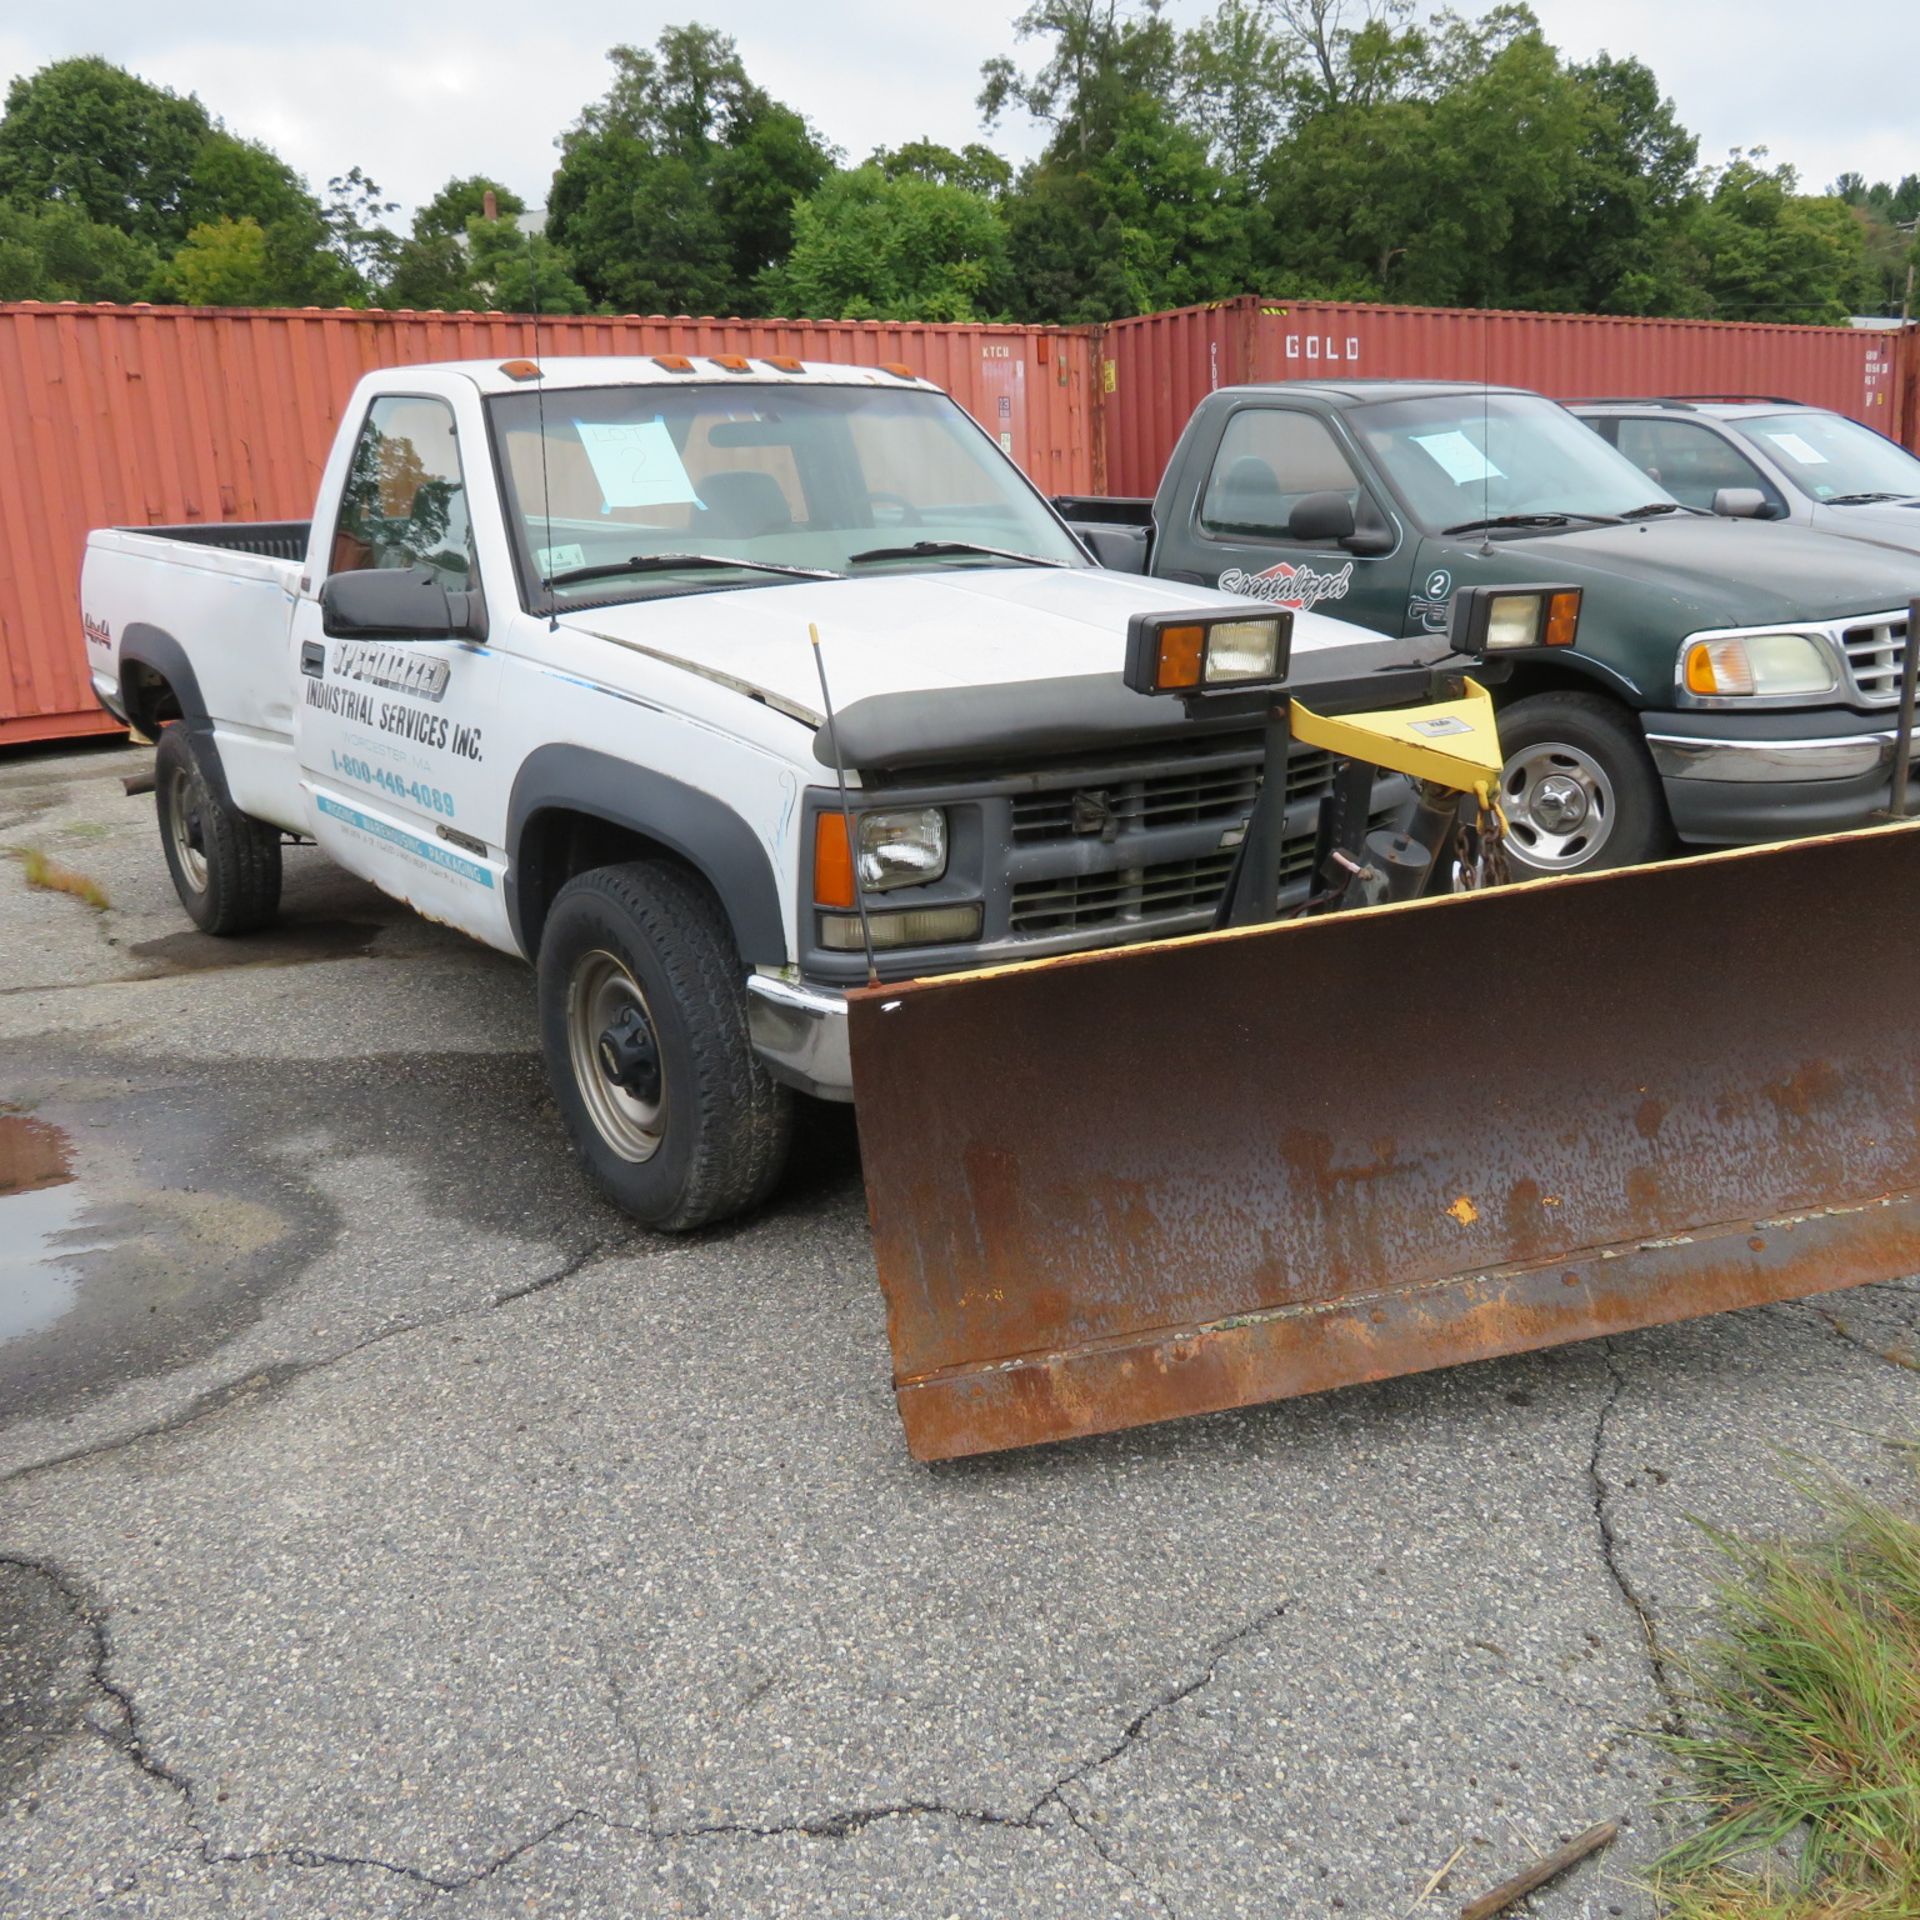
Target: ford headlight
(1769, 665)
(904, 847)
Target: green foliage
(462, 200)
(54, 252)
(1813, 1696)
(520, 273)
(222, 264)
(1765, 252)
(89, 135)
(873, 246)
(675, 192)
(977, 168)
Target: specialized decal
(1430, 605)
(99, 634)
(1290, 583)
(436, 730)
(398, 669)
(407, 842)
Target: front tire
(1579, 789)
(643, 1021)
(225, 864)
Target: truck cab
(1732, 681)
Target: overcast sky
(482, 87)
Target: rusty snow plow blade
(1162, 1180)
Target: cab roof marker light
(784, 362)
(899, 369)
(520, 369)
(673, 363)
(732, 362)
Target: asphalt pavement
(387, 1527)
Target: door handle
(313, 659)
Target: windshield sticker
(1797, 449)
(1286, 584)
(1429, 607)
(636, 463)
(552, 560)
(1457, 457)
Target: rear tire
(1579, 789)
(225, 864)
(643, 1021)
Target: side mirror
(399, 603)
(1740, 503)
(1119, 549)
(1321, 516)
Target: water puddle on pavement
(40, 1208)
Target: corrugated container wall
(138, 416)
(1156, 369)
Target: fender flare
(150, 646)
(1593, 675)
(704, 832)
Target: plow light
(1199, 653)
(1506, 619)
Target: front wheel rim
(1559, 804)
(600, 992)
(187, 827)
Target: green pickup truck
(1731, 681)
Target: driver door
(391, 735)
(1270, 458)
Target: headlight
(1504, 619)
(1768, 664)
(903, 848)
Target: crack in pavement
(271, 1379)
(129, 1740)
(1601, 1494)
(1834, 1324)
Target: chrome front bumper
(801, 1033)
(1840, 757)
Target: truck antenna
(840, 773)
(540, 413)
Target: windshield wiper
(1862, 499)
(1557, 518)
(668, 562)
(1656, 507)
(933, 547)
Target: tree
(516, 272)
(1124, 211)
(462, 200)
(54, 252)
(222, 264)
(873, 246)
(86, 134)
(1766, 252)
(976, 167)
(355, 221)
(676, 190)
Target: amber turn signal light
(832, 861)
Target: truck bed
(271, 539)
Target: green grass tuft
(49, 874)
(1813, 1694)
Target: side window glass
(405, 500)
(1270, 459)
(1692, 462)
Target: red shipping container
(1156, 369)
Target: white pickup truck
(540, 666)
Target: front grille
(1182, 797)
(1137, 895)
(1874, 650)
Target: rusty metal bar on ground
(1167, 1179)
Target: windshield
(1458, 458)
(651, 485)
(1828, 456)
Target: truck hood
(904, 633)
(1891, 523)
(1720, 573)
